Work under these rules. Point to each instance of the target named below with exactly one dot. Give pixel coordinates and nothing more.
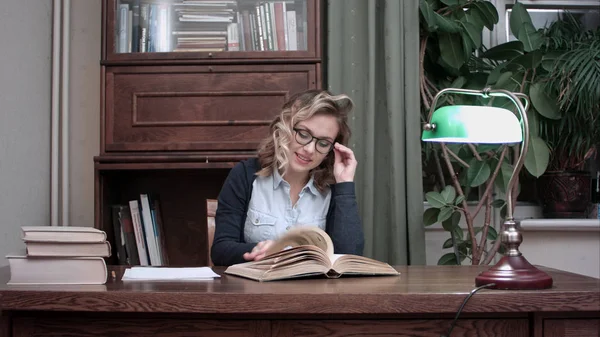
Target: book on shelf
(210, 26)
(138, 232)
(60, 255)
(307, 251)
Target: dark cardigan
(343, 222)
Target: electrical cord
(463, 305)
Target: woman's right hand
(259, 251)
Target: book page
(355, 264)
(334, 258)
(289, 263)
(304, 236)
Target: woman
(304, 175)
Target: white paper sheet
(169, 274)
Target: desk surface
(417, 290)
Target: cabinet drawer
(571, 327)
(191, 108)
(391, 327)
(133, 327)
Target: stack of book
(61, 255)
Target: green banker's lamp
(491, 125)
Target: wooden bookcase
(174, 122)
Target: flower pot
(565, 194)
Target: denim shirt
(270, 211)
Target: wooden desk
(422, 301)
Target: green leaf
(435, 199)
(445, 214)
(518, 18)
(492, 11)
(488, 12)
(473, 32)
(503, 79)
(492, 234)
(459, 199)
(503, 177)
(478, 172)
(447, 244)
(467, 46)
(531, 38)
(534, 122)
(495, 73)
(446, 25)
(457, 232)
(430, 216)
(483, 148)
(451, 222)
(529, 60)
(449, 193)
(550, 58)
(435, 4)
(538, 156)
(448, 259)
(457, 14)
(474, 15)
(428, 15)
(543, 103)
(451, 50)
(476, 81)
(501, 249)
(498, 203)
(458, 83)
(473, 18)
(505, 51)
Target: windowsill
(532, 220)
(579, 225)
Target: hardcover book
(62, 234)
(307, 251)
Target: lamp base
(514, 273)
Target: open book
(307, 251)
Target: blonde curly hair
(273, 150)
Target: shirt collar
(278, 179)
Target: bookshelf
(189, 93)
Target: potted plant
(451, 31)
(558, 68)
(450, 34)
(565, 188)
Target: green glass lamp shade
(473, 124)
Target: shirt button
(256, 221)
(288, 228)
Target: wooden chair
(211, 212)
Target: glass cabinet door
(148, 29)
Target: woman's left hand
(345, 163)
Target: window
(543, 17)
(543, 13)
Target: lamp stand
(513, 271)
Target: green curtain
(373, 56)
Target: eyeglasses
(303, 137)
